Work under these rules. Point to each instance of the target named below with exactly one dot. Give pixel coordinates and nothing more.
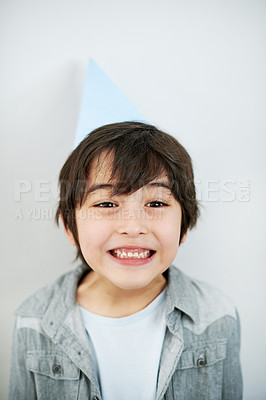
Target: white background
(195, 69)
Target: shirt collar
(63, 301)
(181, 293)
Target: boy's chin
(138, 283)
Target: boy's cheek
(170, 239)
(88, 214)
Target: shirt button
(56, 369)
(201, 362)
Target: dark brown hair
(140, 153)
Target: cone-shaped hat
(102, 103)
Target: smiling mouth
(131, 254)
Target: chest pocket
(203, 354)
(56, 376)
(199, 372)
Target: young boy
(126, 324)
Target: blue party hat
(102, 103)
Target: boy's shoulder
(64, 286)
(202, 302)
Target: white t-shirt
(127, 351)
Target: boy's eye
(156, 204)
(106, 204)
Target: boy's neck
(101, 297)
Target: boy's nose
(132, 223)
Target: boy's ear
(68, 233)
(183, 238)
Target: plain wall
(193, 68)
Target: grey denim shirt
(52, 360)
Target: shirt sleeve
(21, 380)
(232, 375)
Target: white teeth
(136, 253)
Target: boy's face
(128, 240)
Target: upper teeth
(134, 253)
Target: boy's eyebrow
(108, 186)
(93, 188)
